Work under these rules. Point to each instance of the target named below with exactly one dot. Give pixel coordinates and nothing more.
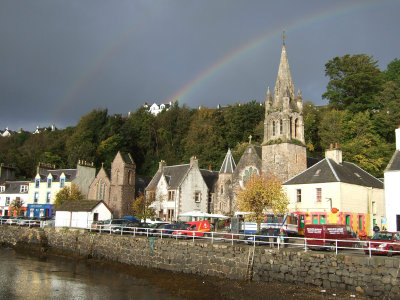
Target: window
(37, 183)
(24, 188)
(360, 222)
(280, 127)
(197, 197)
(171, 195)
(62, 182)
(347, 220)
(49, 180)
(374, 207)
(48, 197)
(315, 219)
(130, 177)
(318, 196)
(95, 217)
(298, 195)
(7, 201)
(222, 188)
(36, 197)
(2, 188)
(273, 128)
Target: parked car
(3, 219)
(194, 228)
(383, 242)
(329, 235)
(166, 229)
(114, 225)
(267, 235)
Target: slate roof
(228, 165)
(258, 150)
(327, 170)
(210, 177)
(14, 187)
(394, 164)
(173, 174)
(70, 174)
(141, 183)
(83, 205)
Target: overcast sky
(60, 59)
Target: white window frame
(36, 197)
(24, 188)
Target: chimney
(334, 153)
(397, 133)
(194, 162)
(161, 165)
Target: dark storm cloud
(60, 59)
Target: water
(24, 276)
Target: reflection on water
(24, 276)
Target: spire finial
(283, 36)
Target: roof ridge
(333, 170)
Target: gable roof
(173, 175)
(394, 164)
(327, 170)
(82, 205)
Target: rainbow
(269, 36)
(88, 71)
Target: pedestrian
(376, 228)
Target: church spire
(228, 166)
(284, 85)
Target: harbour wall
(377, 276)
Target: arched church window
(130, 177)
(295, 127)
(273, 128)
(280, 127)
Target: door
(397, 222)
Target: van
(194, 228)
(326, 235)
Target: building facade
(13, 191)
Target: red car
(195, 228)
(383, 242)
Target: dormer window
(23, 189)
(62, 182)
(37, 183)
(49, 180)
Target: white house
(337, 192)
(155, 109)
(10, 191)
(81, 214)
(392, 188)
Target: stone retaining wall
(377, 276)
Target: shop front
(40, 210)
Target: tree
(354, 81)
(16, 206)
(392, 72)
(141, 207)
(261, 194)
(67, 193)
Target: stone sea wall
(377, 276)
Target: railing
(305, 244)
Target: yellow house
(337, 192)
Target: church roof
(327, 170)
(394, 164)
(127, 158)
(228, 165)
(210, 178)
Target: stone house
(181, 188)
(116, 189)
(49, 181)
(392, 188)
(337, 192)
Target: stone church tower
(283, 148)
